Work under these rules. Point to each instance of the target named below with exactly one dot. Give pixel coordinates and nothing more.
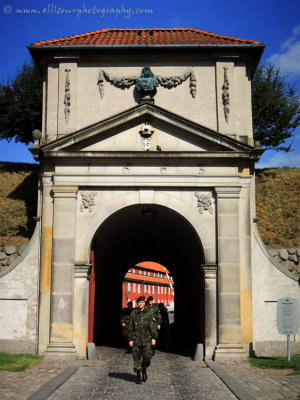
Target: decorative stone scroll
(88, 201)
(127, 82)
(204, 202)
(67, 100)
(225, 95)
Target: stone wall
(288, 258)
(271, 280)
(19, 284)
(10, 254)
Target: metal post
(288, 348)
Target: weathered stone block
(291, 251)
(3, 256)
(289, 265)
(9, 250)
(294, 259)
(273, 252)
(12, 258)
(20, 249)
(283, 254)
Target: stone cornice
(139, 114)
(65, 191)
(81, 270)
(98, 156)
(227, 192)
(209, 271)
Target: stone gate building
(146, 123)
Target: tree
(21, 105)
(275, 108)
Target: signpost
(287, 319)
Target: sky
(273, 22)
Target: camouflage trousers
(141, 356)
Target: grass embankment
(278, 206)
(18, 202)
(277, 197)
(18, 362)
(278, 363)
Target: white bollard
(199, 355)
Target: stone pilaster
(61, 329)
(245, 263)
(45, 266)
(229, 341)
(81, 311)
(210, 287)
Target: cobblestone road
(170, 376)
(20, 385)
(264, 384)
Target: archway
(128, 236)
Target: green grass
(278, 205)
(18, 362)
(278, 363)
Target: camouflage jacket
(142, 328)
(154, 310)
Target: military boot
(144, 375)
(138, 378)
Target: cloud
(289, 59)
(281, 160)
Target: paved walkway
(20, 385)
(171, 376)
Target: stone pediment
(145, 127)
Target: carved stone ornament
(88, 201)
(174, 81)
(146, 131)
(201, 170)
(147, 81)
(204, 202)
(67, 100)
(225, 95)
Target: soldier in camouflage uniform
(142, 336)
(156, 316)
(125, 317)
(155, 312)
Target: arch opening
(129, 236)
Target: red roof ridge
(121, 40)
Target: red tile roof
(147, 279)
(152, 266)
(153, 36)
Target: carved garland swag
(127, 82)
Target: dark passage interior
(161, 235)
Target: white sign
(287, 316)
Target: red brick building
(149, 279)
